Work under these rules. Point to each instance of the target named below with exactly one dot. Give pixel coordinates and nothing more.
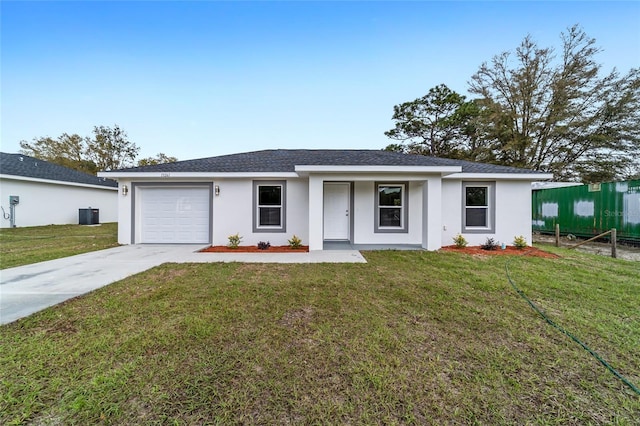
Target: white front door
(336, 211)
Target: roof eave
(194, 175)
(305, 170)
(57, 182)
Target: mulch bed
(510, 250)
(255, 249)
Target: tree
(109, 149)
(433, 124)
(67, 150)
(161, 158)
(560, 116)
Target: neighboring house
(51, 194)
(365, 197)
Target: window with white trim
(478, 206)
(269, 206)
(391, 207)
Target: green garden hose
(562, 330)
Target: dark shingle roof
(25, 166)
(285, 160)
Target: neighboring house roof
(30, 167)
(285, 160)
(552, 185)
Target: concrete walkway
(31, 288)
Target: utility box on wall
(89, 216)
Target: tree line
(109, 148)
(537, 108)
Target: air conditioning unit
(89, 216)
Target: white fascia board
(369, 177)
(500, 176)
(193, 175)
(57, 182)
(443, 170)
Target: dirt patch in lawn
(255, 249)
(297, 317)
(510, 250)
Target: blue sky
(198, 79)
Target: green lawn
(409, 338)
(23, 246)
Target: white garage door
(175, 215)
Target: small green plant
(460, 241)
(234, 241)
(490, 244)
(520, 242)
(295, 242)
(263, 246)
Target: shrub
(460, 241)
(295, 242)
(263, 246)
(490, 244)
(520, 242)
(234, 241)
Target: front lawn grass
(23, 246)
(409, 338)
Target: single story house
(43, 193)
(364, 197)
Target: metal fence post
(614, 243)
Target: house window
(479, 206)
(391, 207)
(269, 206)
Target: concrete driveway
(31, 288)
